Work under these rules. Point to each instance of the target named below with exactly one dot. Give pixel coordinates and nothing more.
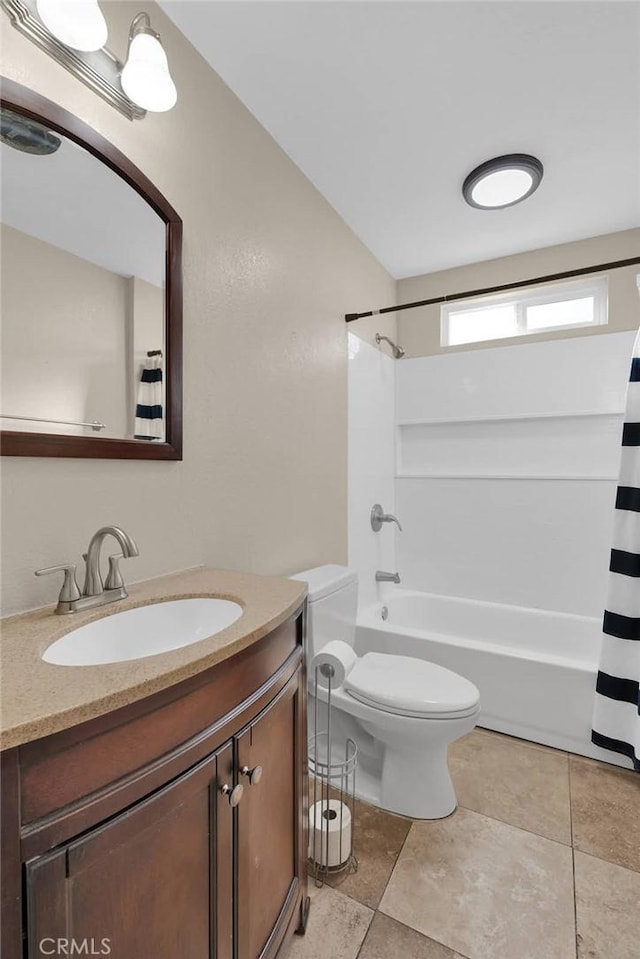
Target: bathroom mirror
(91, 293)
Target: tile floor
(541, 860)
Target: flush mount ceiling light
(503, 181)
(27, 136)
(78, 24)
(74, 33)
(145, 76)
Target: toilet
(402, 712)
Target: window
(562, 306)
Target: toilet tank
(332, 605)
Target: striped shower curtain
(616, 717)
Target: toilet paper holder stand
(332, 766)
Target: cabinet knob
(234, 795)
(253, 775)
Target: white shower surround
(371, 461)
(508, 596)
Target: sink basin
(144, 631)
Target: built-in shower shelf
(574, 445)
(576, 477)
(507, 417)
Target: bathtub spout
(382, 577)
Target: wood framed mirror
(91, 293)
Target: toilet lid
(410, 687)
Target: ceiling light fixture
(27, 136)
(78, 24)
(503, 181)
(145, 76)
(74, 33)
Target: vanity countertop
(40, 698)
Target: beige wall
(269, 271)
(64, 349)
(419, 329)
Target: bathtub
(535, 669)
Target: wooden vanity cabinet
(147, 882)
(176, 870)
(267, 863)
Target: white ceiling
(386, 106)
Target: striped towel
(149, 412)
(616, 717)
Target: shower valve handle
(378, 517)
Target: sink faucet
(94, 593)
(93, 580)
(382, 577)
(378, 517)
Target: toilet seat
(411, 687)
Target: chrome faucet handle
(70, 591)
(114, 578)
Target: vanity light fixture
(78, 24)
(145, 76)
(503, 181)
(74, 33)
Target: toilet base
(402, 760)
(417, 784)
(415, 779)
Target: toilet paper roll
(329, 824)
(338, 655)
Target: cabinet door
(271, 816)
(156, 880)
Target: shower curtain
(149, 412)
(616, 717)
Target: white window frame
(526, 297)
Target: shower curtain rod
(567, 274)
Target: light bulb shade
(503, 181)
(145, 76)
(78, 24)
